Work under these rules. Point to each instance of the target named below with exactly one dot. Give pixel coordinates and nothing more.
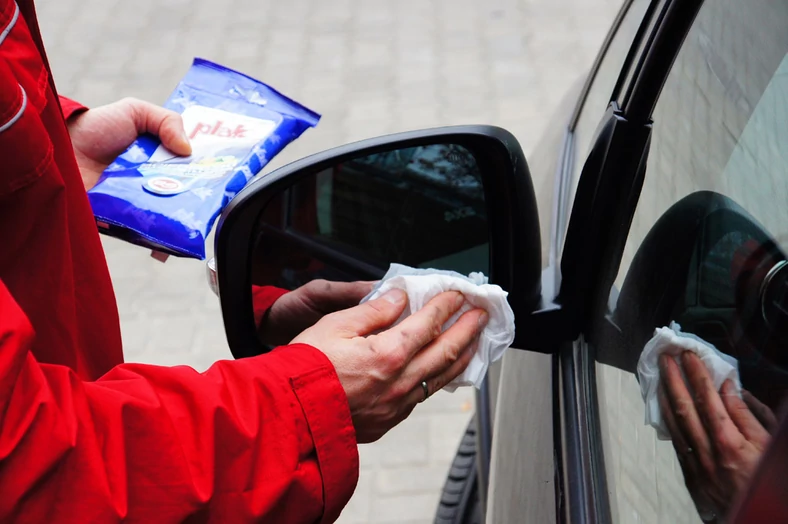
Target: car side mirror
(458, 198)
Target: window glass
(601, 92)
(706, 251)
(420, 206)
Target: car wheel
(459, 502)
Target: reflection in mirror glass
(420, 206)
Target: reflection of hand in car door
(718, 437)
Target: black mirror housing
(512, 218)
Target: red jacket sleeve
(263, 297)
(70, 107)
(265, 439)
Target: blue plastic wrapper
(236, 125)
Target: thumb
(371, 316)
(163, 123)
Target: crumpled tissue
(421, 285)
(673, 341)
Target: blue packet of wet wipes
(235, 124)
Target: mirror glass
(419, 206)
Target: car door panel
(522, 473)
(524, 484)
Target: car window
(601, 90)
(706, 258)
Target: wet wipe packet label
(235, 124)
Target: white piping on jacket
(18, 114)
(3, 36)
(11, 24)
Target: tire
(459, 502)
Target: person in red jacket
(86, 438)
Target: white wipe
(421, 285)
(673, 341)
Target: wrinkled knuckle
(395, 361)
(390, 360)
(725, 446)
(435, 331)
(721, 439)
(399, 390)
(683, 409)
(451, 351)
(440, 311)
(379, 378)
(377, 345)
(406, 338)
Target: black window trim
(634, 59)
(622, 13)
(656, 58)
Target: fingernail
(395, 296)
(685, 356)
(727, 388)
(483, 318)
(185, 144)
(459, 299)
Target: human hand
(382, 371)
(717, 438)
(99, 135)
(303, 307)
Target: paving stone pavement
(370, 67)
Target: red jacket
(85, 438)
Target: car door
(526, 456)
(703, 245)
